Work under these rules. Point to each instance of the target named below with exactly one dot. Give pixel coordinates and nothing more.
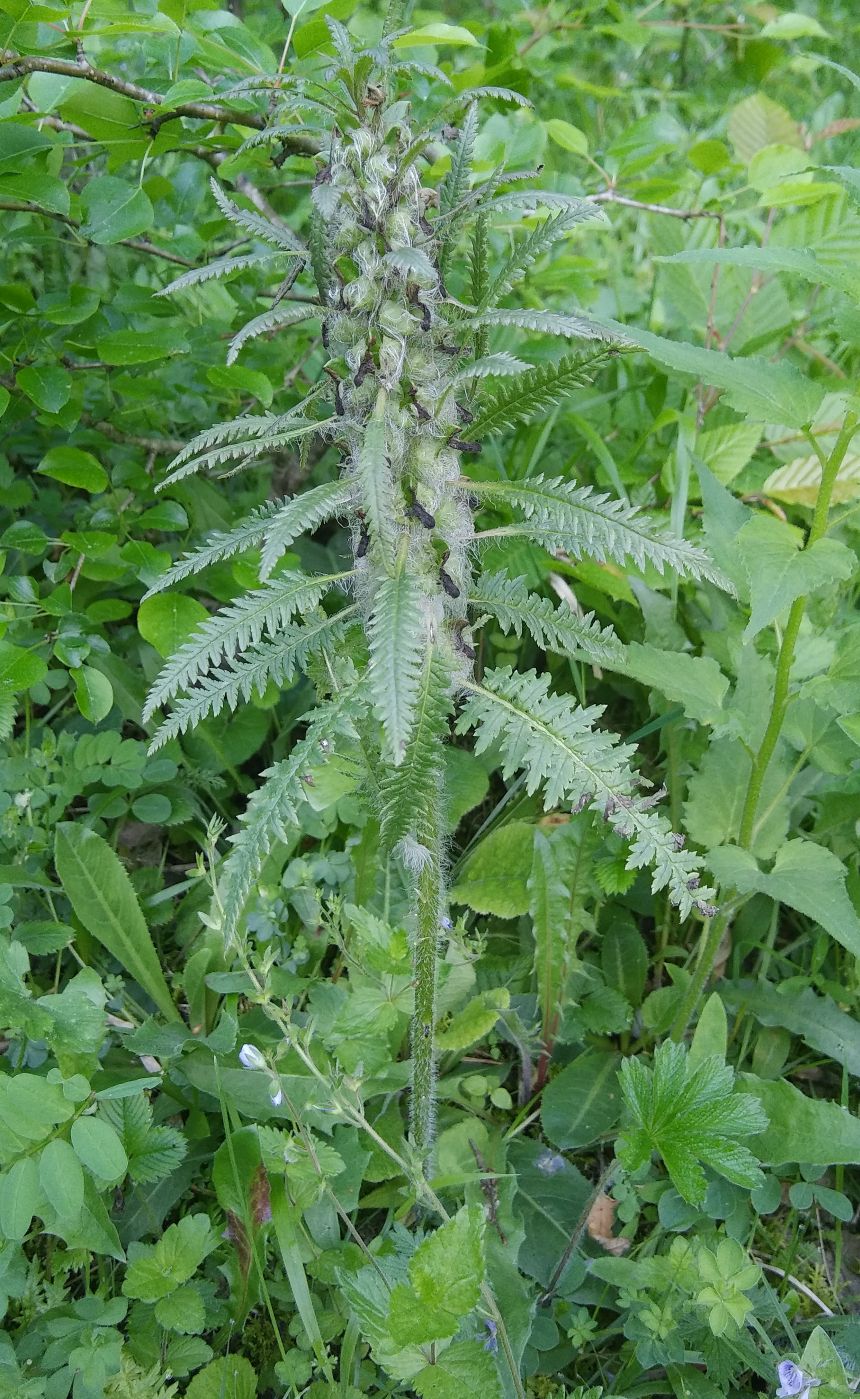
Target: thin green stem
(709, 946)
(829, 472)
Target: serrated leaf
(690, 1115)
(780, 569)
(445, 1276)
(158, 1269)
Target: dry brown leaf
(601, 1218)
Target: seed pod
(363, 543)
(421, 515)
(460, 446)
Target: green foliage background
(676, 1226)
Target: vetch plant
(411, 306)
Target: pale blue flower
(250, 1056)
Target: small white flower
(275, 1093)
(250, 1056)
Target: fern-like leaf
(536, 390)
(284, 313)
(377, 492)
(301, 514)
(276, 804)
(222, 267)
(253, 224)
(236, 628)
(8, 713)
(242, 452)
(558, 629)
(409, 794)
(533, 246)
(397, 637)
(546, 322)
(500, 365)
(456, 183)
(279, 661)
(220, 544)
(555, 743)
(561, 515)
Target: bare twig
(609, 196)
(138, 245)
(22, 65)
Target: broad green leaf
(464, 1371)
(445, 1276)
(48, 385)
(570, 138)
(93, 693)
(765, 392)
(452, 35)
(624, 960)
(114, 210)
(793, 25)
(154, 1270)
(757, 122)
(228, 1377)
(690, 1115)
(98, 1147)
(805, 876)
(551, 1196)
(474, 1022)
(583, 1102)
(62, 1180)
(494, 878)
(696, 682)
(711, 1034)
(797, 262)
(19, 668)
(726, 450)
(780, 570)
(74, 467)
(104, 900)
(140, 347)
(20, 1198)
(168, 619)
(817, 1020)
(798, 482)
(800, 1128)
(19, 143)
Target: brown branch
(609, 196)
(21, 65)
(138, 245)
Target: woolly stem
(429, 902)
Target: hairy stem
(829, 471)
(428, 909)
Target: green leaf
(74, 467)
(158, 1269)
(398, 640)
(805, 876)
(494, 878)
(104, 900)
(114, 210)
(165, 621)
(689, 1114)
(62, 1180)
(711, 1034)
(140, 347)
(811, 1130)
(817, 1020)
(19, 669)
(93, 692)
(445, 1276)
(228, 1377)
(695, 682)
(757, 122)
(452, 35)
(475, 1021)
(582, 1103)
(49, 386)
(792, 25)
(98, 1147)
(570, 138)
(764, 392)
(183, 1310)
(464, 1371)
(624, 960)
(780, 569)
(20, 1198)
